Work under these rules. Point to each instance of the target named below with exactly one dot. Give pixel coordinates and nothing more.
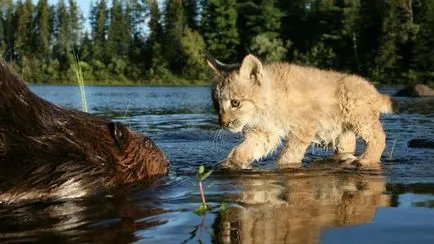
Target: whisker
(214, 137)
(217, 137)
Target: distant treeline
(138, 41)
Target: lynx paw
(345, 158)
(367, 164)
(354, 162)
(281, 165)
(232, 164)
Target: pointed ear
(120, 135)
(218, 67)
(214, 64)
(251, 68)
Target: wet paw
(361, 164)
(366, 164)
(231, 164)
(289, 165)
(346, 158)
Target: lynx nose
(224, 122)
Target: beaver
(51, 152)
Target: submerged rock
(421, 143)
(418, 90)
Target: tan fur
(302, 105)
(297, 210)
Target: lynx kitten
(302, 105)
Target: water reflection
(265, 207)
(102, 220)
(296, 209)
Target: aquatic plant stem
(202, 194)
(80, 80)
(393, 147)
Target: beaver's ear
(120, 135)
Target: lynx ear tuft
(213, 64)
(251, 68)
(218, 67)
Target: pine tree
(119, 34)
(99, 24)
(24, 38)
(62, 49)
(85, 47)
(42, 30)
(75, 23)
(155, 27)
(398, 31)
(296, 28)
(422, 61)
(156, 63)
(219, 29)
(174, 23)
(191, 13)
(10, 27)
(262, 16)
(338, 31)
(368, 32)
(260, 26)
(2, 36)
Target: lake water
(316, 204)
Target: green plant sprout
(201, 176)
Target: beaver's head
(137, 156)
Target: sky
(83, 4)
(84, 8)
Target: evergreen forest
(165, 41)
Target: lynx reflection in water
(295, 210)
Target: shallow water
(316, 204)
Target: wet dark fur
(47, 151)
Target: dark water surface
(316, 204)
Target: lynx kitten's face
(235, 101)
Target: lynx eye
(235, 103)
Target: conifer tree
(368, 32)
(422, 61)
(219, 29)
(99, 24)
(135, 16)
(2, 36)
(76, 20)
(157, 63)
(24, 37)
(295, 15)
(42, 30)
(260, 27)
(10, 26)
(119, 35)
(191, 13)
(398, 30)
(62, 48)
(174, 23)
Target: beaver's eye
(148, 144)
(235, 103)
